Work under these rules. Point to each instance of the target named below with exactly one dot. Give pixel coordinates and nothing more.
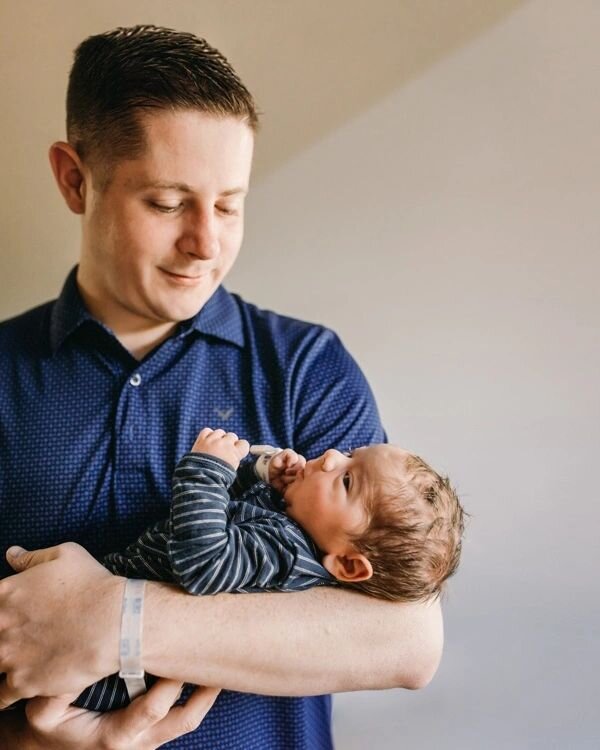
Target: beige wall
(299, 57)
(450, 233)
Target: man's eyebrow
(161, 185)
(234, 191)
(182, 187)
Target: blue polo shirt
(89, 438)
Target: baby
(379, 520)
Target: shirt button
(135, 379)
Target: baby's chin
(297, 480)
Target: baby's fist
(220, 444)
(283, 468)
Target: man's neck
(138, 335)
(139, 343)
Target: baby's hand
(283, 468)
(224, 445)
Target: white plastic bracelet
(130, 645)
(265, 453)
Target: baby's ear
(352, 568)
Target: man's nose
(200, 236)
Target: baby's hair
(414, 532)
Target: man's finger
(20, 559)
(147, 710)
(45, 713)
(183, 719)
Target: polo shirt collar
(219, 317)
(68, 312)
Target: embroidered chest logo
(224, 414)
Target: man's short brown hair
(414, 534)
(120, 75)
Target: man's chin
(178, 312)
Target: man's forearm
(319, 641)
(305, 643)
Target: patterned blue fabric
(89, 438)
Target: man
(104, 389)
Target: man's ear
(351, 568)
(68, 173)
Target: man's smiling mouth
(186, 279)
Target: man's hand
(59, 623)
(224, 445)
(283, 468)
(147, 723)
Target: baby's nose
(329, 460)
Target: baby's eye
(346, 480)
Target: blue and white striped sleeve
(209, 552)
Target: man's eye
(165, 209)
(226, 211)
(346, 480)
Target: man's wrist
(157, 597)
(107, 652)
(167, 609)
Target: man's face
(161, 237)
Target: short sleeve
(332, 401)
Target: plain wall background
(449, 232)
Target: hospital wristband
(130, 642)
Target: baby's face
(328, 497)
